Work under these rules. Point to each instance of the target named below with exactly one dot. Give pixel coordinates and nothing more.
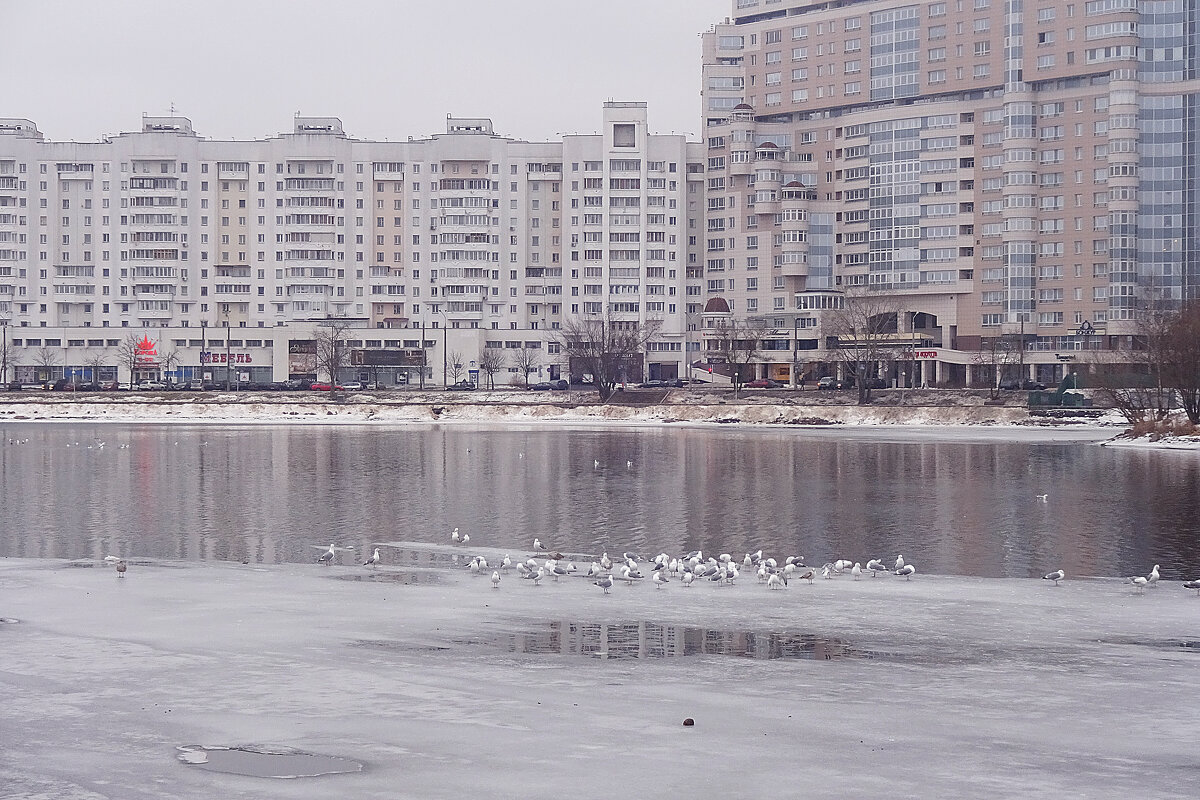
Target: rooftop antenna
(172, 108)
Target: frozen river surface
(962, 502)
(441, 687)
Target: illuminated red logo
(146, 353)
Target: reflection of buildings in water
(643, 640)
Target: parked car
(764, 383)
(830, 382)
(652, 384)
(541, 386)
(353, 386)
(325, 387)
(560, 385)
(297, 384)
(152, 386)
(462, 386)
(1012, 384)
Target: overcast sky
(240, 69)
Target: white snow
(937, 687)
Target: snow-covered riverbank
(443, 687)
(517, 407)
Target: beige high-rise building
(998, 168)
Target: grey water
(952, 503)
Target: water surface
(950, 502)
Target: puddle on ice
(403, 578)
(650, 640)
(8, 621)
(263, 762)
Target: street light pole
(203, 345)
(795, 352)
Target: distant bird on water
(1042, 498)
(1055, 576)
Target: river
(952, 501)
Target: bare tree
(456, 366)
(95, 363)
(737, 343)
(46, 359)
(129, 355)
(608, 350)
(996, 355)
(1140, 393)
(491, 361)
(526, 360)
(333, 352)
(169, 361)
(863, 335)
(1181, 351)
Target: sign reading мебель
(226, 358)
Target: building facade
(492, 239)
(1001, 171)
(997, 168)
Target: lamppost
(795, 352)
(203, 346)
(4, 352)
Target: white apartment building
(491, 239)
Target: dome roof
(743, 107)
(794, 185)
(716, 305)
(768, 146)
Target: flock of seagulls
(722, 570)
(661, 570)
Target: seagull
(1193, 585)
(1152, 578)
(605, 583)
(630, 575)
(841, 565)
(1055, 576)
(466, 539)
(373, 560)
(605, 562)
(495, 579)
(856, 570)
(660, 580)
(120, 569)
(327, 557)
(1139, 582)
(536, 577)
(826, 572)
(807, 575)
(628, 465)
(774, 581)
(876, 566)
(454, 536)
(537, 544)
(506, 563)
(596, 464)
(908, 570)
(687, 578)
(899, 563)
(1042, 498)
